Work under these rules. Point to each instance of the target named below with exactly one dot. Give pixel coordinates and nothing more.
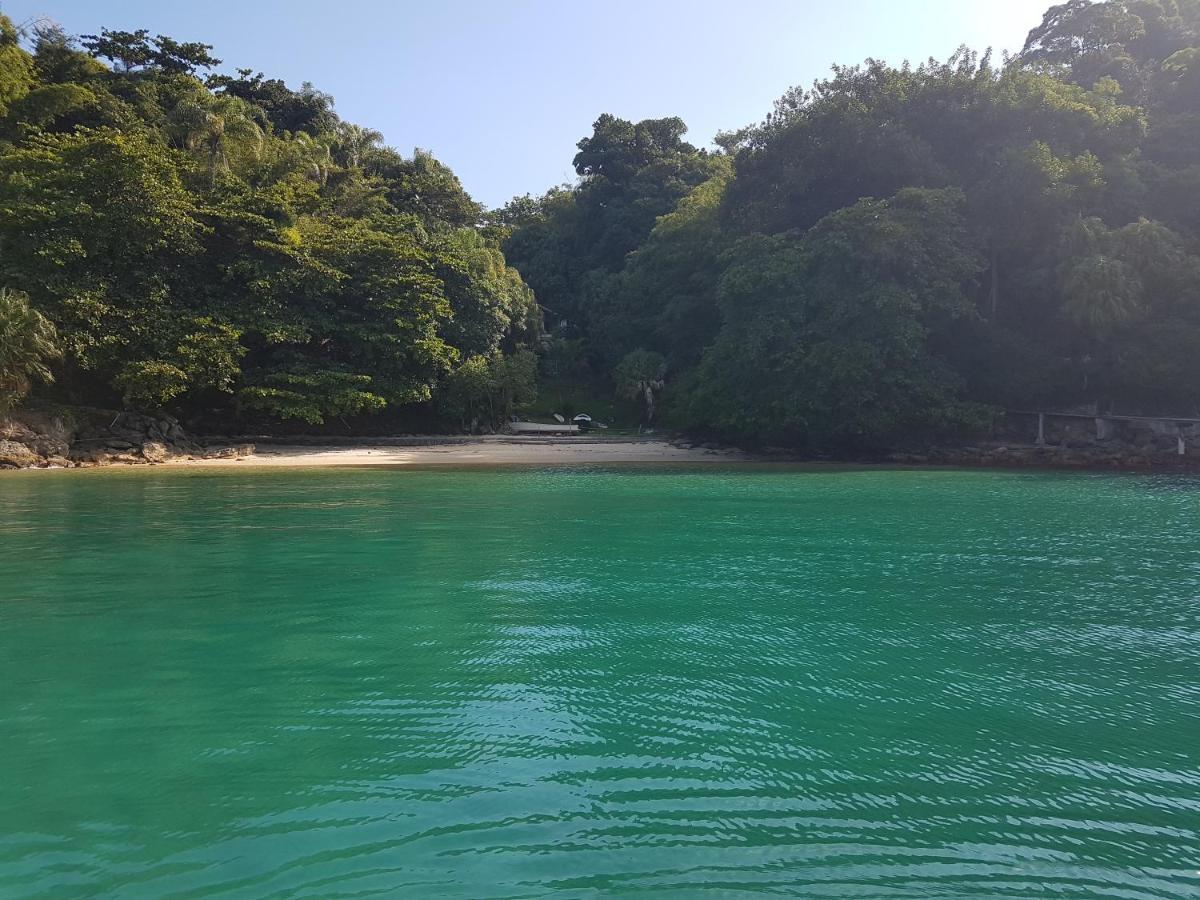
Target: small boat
(542, 428)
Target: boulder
(18, 456)
(155, 452)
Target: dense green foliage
(230, 246)
(901, 249)
(895, 251)
(27, 345)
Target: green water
(584, 683)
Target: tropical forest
(901, 248)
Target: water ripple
(584, 683)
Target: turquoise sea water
(580, 683)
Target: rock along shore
(42, 440)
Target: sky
(501, 91)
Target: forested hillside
(903, 248)
(895, 250)
(229, 246)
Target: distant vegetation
(894, 250)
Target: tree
(133, 50)
(312, 155)
(638, 375)
(664, 298)
(1120, 288)
(828, 335)
(308, 109)
(354, 314)
(567, 244)
(100, 227)
(423, 186)
(490, 304)
(618, 149)
(354, 143)
(16, 67)
(128, 50)
(182, 58)
(28, 343)
(311, 395)
(514, 381)
(215, 128)
(485, 390)
(466, 395)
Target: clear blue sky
(501, 90)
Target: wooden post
(1041, 438)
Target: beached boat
(542, 428)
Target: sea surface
(592, 683)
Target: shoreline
(429, 450)
(487, 450)
(136, 441)
(421, 451)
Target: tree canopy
(903, 247)
(896, 248)
(226, 246)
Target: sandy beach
(488, 450)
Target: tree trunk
(994, 291)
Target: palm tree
(28, 342)
(639, 374)
(1101, 294)
(354, 142)
(215, 125)
(314, 155)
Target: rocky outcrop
(41, 434)
(155, 452)
(38, 439)
(14, 455)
